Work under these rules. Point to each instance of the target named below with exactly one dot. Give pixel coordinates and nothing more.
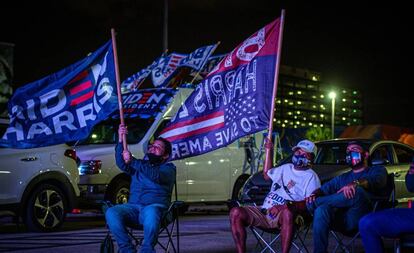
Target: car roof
(346, 140)
(370, 142)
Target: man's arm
(330, 187)
(268, 145)
(377, 179)
(120, 162)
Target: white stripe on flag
(188, 128)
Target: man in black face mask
(152, 181)
(342, 201)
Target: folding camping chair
(301, 229)
(379, 203)
(169, 223)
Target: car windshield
(107, 132)
(334, 153)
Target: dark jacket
(375, 175)
(150, 184)
(409, 182)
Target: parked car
(330, 162)
(39, 184)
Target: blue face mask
(300, 161)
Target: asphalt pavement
(202, 229)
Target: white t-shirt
(299, 183)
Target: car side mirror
(378, 161)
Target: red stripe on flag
(81, 76)
(80, 87)
(82, 98)
(195, 132)
(193, 121)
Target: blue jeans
(338, 212)
(373, 227)
(120, 216)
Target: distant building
(302, 101)
(6, 75)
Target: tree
(318, 134)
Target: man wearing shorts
(291, 184)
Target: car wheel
(45, 209)
(237, 186)
(119, 193)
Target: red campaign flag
(234, 100)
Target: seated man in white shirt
(292, 183)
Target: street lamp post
(332, 96)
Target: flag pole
(204, 63)
(118, 87)
(275, 82)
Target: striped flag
(234, 100)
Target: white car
(39, 184)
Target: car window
(331, 153)
(382, 152)
(107, 132)
(404, 154)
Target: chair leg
(302, 242)
(177, 229)
(339, 243)
(268, 245)
(397, 246)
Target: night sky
(367, 48)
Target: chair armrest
(175, 205)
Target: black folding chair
(169, 224)
(379, 204)
(405, 241)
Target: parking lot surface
(201, 230)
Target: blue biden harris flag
(63, 106)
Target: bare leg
(286, 229)
(239, 220)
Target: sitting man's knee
(236, 213)
(367, 222)
(111, 215)
(321, 211)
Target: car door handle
(29, 159)
(397, 174)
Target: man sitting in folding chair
(342, 201)
(152, 181)
(399, 222)
(292, 182)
